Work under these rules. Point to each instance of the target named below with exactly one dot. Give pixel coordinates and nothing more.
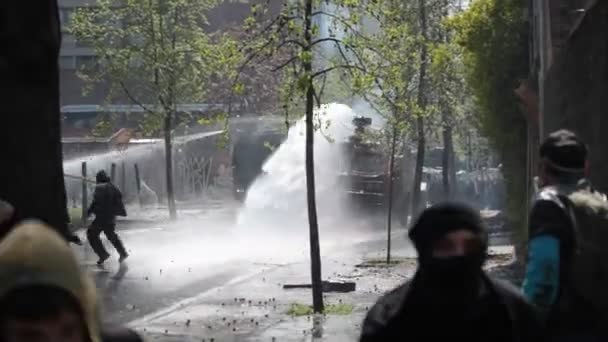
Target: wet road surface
(175, 264)
(172, 262)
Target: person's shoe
(103, 259)
(123, 257)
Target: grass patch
(339, 309)
(297, 309)
(75, 215)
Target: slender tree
(494, 38)
(387, 83)
(407, 78)
(450, 92)
(158, 55)
(391, 187)
(295, 32)
(422, 105)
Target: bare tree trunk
(454, 190)
(448, 160)
(422, 102)
(315, 250)
(169, 166)
(417, 204)
(30, 134)
(450, 185)
(469, 152)
(405, 186)
(391, 185)
(445, 162)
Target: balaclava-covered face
(455, 277)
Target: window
(65, 16)
(81, 44)
(87, 62)
(67, 62)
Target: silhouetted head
(563, 158)
(449, 229)
(102, 177)
(451, 240)
(41, 312)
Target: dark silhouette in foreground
(44, 296)
(450, 296)
(30, 138)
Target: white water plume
(277, 198)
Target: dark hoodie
(107, 201)
(33, 254)
(451, 298)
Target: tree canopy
(155, 53)
(494, 37)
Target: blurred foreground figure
(567, 266)
(107, 204)
(450, 297)
(32, 169)
(6, 211)
(43, 294)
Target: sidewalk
(254, 308)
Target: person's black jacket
(385, 322)
(107, 203)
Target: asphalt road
(209, 248)
(205, 250)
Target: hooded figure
(43, 294)
(107, 204)
(107, 200)
(450, 296)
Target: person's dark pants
(109, 229)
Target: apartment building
(74, 55)
(79, 108)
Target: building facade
(552, 23)
(72, 57)
(570, 67)
(75, 55)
